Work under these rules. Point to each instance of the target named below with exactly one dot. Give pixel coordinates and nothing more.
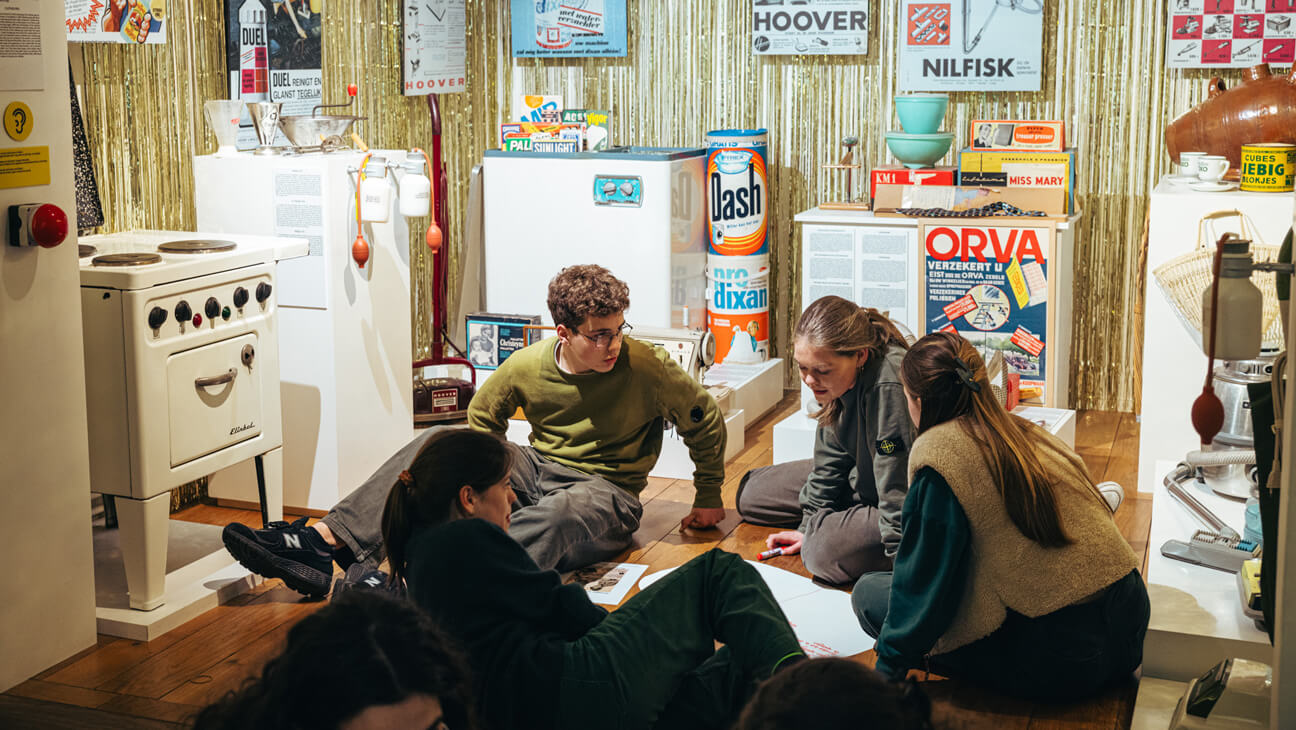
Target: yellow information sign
(18, 121)
(22, 167)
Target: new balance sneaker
(364, 578)
(1113, 493)
(293, 553)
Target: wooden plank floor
(132, 684)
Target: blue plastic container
(921, 113)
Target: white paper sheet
(607, 583)
(822, 618)
(21, 67)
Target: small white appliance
(1233, 695)
(344, 330)
(182, 371)
(639, 211)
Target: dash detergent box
(493, 337)
(1020, 169)
(901, 175)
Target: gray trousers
(842, 542)
(564, 518)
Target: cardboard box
(1051, 201)
(493, 337)
(528, 107)
(1017, 135)
(1020, 169)
(901, 175)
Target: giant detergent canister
(1268, 167)
(737, 192)
(738, 307)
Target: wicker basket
(1183, 278)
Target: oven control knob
(240, 297)
(156, 317)
(182, 311)
(262, 291)
(212, 307)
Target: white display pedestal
(1173, 365)
(877, 261)
(794, 436)
(1197, 618)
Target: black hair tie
(965, 374)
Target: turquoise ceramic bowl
(921, 113)
(919, 150)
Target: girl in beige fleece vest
(1011, 571)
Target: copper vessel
(1260, 109)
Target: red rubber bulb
(434, 237)
(360, 252)
(1207, 415)
(351, 89)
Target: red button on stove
(197, 320)
(49, 225)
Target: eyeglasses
(603, 338)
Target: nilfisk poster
(971, 45)
(809, 27)
(555, 28)
(990, 284)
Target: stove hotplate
(126, 259)
(197, 245)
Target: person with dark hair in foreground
(543, 654)
(597, 402)
(836, 694)
(364, 662)
(1011, 572)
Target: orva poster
(990, 285)
(971, 45)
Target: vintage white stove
(182, 376)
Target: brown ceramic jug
(1260, 109)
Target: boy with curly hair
(597, 402)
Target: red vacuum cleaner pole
(440, 270)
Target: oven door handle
(215, 379)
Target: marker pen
(773, 553)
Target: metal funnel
(223, 118)
(265, 120)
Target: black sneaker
(363, 578)
(293, 553)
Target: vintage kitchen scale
(846, 163)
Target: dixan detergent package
(738, 248)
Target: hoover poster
(272, 52)
(990, 284)
(552, 28)
(1230, 33)
(809, 27)
(971, 45)
(435, 59)
(116, 21)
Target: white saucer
(1212, 187)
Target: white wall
(47, 598)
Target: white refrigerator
(344, 331)
(639, 211)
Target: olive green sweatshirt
(608, 424)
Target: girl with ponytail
(543, 655)
(845, 502)
(1011, 571)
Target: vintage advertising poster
(990, 283)
(435, 59)
(272, 52)
(1230, 33)
(116, 21)
(809, 27)
(971, 45)
(550, 28)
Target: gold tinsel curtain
(690, 69)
